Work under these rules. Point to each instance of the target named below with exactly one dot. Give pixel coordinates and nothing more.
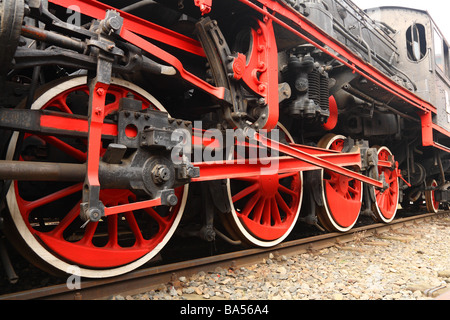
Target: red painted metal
(233, 169)
(132, 206)
(333, 118)
(260, 73)
(63, 124)
(204, 5)
(315, 160)
(305, 158)
(428, 128)
(97, 114)
(343, 197)
(239, 66)
(135, 24)
(172, 60)
(133, 27)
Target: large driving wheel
(341, 195)
(44, 216)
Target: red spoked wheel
(432, 204)
(341, 196)
(45, 215)
(265, 208)
(386, 204)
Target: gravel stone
(406, 264)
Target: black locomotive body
(125, 123)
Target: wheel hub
(343, 184)
(269, 185)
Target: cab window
(416, 42)
(439, 50)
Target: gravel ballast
(412, 263)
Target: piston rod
(41, 171)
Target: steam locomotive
(126, 122)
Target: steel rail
(147, 279)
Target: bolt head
(161, 174)
(100, 91)
(94, 214)
(172, 199)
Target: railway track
(149, 278)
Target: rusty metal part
(53, 38)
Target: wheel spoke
(113, 241)
(65, 223)
(267, 212)
(66, 148)
(61, 104)
(134, 227)
(282, 204)
(333, 179)
(30, 206)
(288, 191)
(353, 190)
(156, 216)
(275, 212)
(245, 192)
(258, 211)
(250, 205)
(381, 200)
(89, 234)
(286, 175)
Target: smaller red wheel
(386, 204)
(432, 204)
(264, 208)
(341, 196)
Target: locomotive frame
(243, 89)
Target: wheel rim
(342, 196)
(47, 218)
(264, 209)
(386, 204)
(432, 204)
